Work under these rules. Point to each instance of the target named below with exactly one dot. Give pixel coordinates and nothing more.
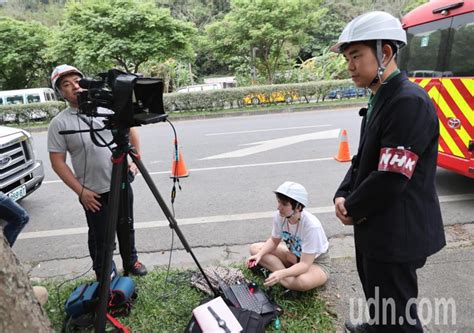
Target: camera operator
(92, 167)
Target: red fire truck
(439, 57)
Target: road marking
(263, 146)
(209, 219)
(228, 167)
(267, 130)
(165, 223)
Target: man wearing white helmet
(302, 261)
(389, 193)
(92, 168)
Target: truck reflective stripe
(446, 137)
(448, 113)
(459, 100)
(455, 139)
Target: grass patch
(166, 304)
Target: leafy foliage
(173, 72)
(348, 9)
(200, 12)
(233, 37)
(45, 11)
(98, 34)
(323, 34)
(327, 66)
(266, 30)
(21, 53)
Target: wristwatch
(220, 321)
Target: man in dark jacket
(389, 193)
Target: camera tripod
(116, 198)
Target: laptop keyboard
(228, 292)
(245, 298)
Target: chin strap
(381, 66)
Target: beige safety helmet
(61, 71)
(375, 25)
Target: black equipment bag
(81, 305)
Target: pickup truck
(20, 173)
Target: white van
(200, 87)
(26, 96)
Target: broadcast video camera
(134, 100)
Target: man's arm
(340, 198)
(87, 197)
(135, 142)
(345, 186)
(135, 139)
(412, 125)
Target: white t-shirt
(306, 236)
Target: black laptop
(240, 296)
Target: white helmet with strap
(375, 25)
(294, 191)
(61, 71)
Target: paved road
(227, 199)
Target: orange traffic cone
(343, 155)
(178, 168)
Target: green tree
(348, 9)
(323, 34)
(98, 34)
(264, 33)
(48, 12)
(338, 13)
(22, 44)
(200, 12)
(327, 66)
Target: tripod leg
(172, 222)
(123, 227)
(112, 217)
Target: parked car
(20, 172)
(346, 92)
(275, 97)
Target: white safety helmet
(61, 71)
(294, 191)
(372, 26)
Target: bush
(211, 100)
(21, 113)
(218, 99)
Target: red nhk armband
(399, 160)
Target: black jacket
(397, 219)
